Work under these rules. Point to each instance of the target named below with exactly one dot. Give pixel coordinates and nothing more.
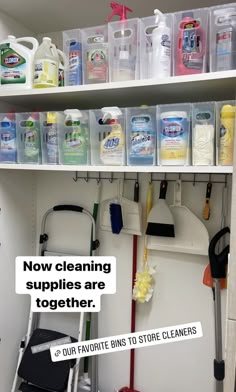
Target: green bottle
(74, 148)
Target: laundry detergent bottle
(112, 147)
(17, 62)
(191, 46)
(46, 65)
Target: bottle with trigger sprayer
(161, 48)
(112, 147)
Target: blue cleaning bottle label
(142, 140)
(8, 151)
(75, 63)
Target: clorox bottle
(46, 65)
(16, 67)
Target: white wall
(179, 297)
(9, 26)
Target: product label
(173, 139)
(74, 147)
(142, 138)
(7, 142)
(13, 66)
(192, 45)
(46, 73)
(112, 148)
(97, 64)
(226, 144)
(52, 144)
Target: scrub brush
(143, 287)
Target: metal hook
(137, 176)
(165, 176)
(226, 180)
(99, 178)
(150, 182)
(179, 176)
(76, 177)
(209, 177)
(87, 177)
(111, 179)
(124, 176)
(194, 179)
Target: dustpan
(191, 236)
(131, 213)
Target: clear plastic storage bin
(95, 54)
(8, 145)
(156, 50)
(190, 41)
(174, 134)
(72, 48)
(225, 132)
(107, 140)
(28, 137)
(123, 50)
(51, 128)
(141, 130)
(203, 134)
(74, 138)
(223, 37)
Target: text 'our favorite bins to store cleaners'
(65, 284)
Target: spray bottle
(8, 151)
(112, 148)
(123, 47)
(75, 63)
(227, 130)
(32, 141)
(161, 48)
(191, 46)
(75, 143)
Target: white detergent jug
(46, 65)
(16, 67)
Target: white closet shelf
(188, 88)
(122, 169)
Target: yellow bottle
(227, 129)
(112, 147)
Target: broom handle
(133, 303)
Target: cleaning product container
(107, 145)
(141, 130)
(28, 138)
(203, 134)
(46, 65)
(95, 54)
(17, 62)
(74, 138)
(222, 37)
(174, 134)
(72, 47)
(225, 132)
(156, 47)
(124, 50)
(62, 66)
(190, 41)
(51, 124)
(8, 146)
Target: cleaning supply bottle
(46, 65)
(225, 28)
(141, 135)
(32, 141)
(75, 143)
(227, 130)
(52, 138)
(17, 62)
(112, 147)
(161, 48)
(75, 63)
(8, 149)
(191, 46)
(61, 68)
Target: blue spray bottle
(8, 150)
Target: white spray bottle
(161, 48)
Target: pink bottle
(191, 46)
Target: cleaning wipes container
(17, 62)
(174, 134)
